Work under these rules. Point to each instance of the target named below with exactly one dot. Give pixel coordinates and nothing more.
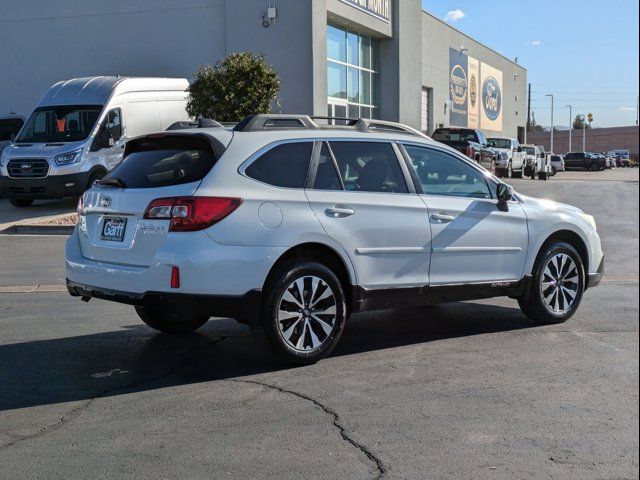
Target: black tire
(594, 167)
(21, 202)
(271, 331)
(554, 171)
(172, 323)
(534, 305)
(95, 177)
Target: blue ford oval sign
(491, 98)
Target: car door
(473, 240)
(518, 155)
(571, 160)
(108, 145)
(363, 199)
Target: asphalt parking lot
(467, 390)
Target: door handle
(442, 218)
(339, 212)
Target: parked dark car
(471, 142)
(585, 161)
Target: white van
(79, 130)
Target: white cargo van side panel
(141, 117)
(172, 110)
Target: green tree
(240, 85)
(579, 123)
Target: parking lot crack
(74, 413)
(380, 467)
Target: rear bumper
(53, 186)
(244, 306)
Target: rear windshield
(500, 143)
(163, 161)
(9, 128)
(455, 135)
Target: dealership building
(384, 59)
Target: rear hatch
(113, 228)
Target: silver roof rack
(280, 121)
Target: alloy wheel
(307, 313)
(560, 283)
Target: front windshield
(530, 150)
(66, 123)
(500, 143)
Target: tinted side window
(326, 177)
(444, 174)
(9, 128)
(283, 166)
(369, 167)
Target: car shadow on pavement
(136, 359)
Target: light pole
(584, 132)
(550, 95)
(570, 125)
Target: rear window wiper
(111, 182)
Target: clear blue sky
(583, 52)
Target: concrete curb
(38, 230)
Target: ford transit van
(78, 131)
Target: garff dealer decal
(378, 8)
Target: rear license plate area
(113, 229)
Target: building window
(352, 74)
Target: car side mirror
(520, 149)
(504, 193)
(105, 140)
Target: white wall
(44, 41)
(437, 38)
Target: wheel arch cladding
(320, 253)
(573, 239)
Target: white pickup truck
(511, 157)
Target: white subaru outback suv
(290, 227)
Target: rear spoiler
(201, 123)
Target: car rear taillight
(189, 214)
(175, 277)
(469, 152)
